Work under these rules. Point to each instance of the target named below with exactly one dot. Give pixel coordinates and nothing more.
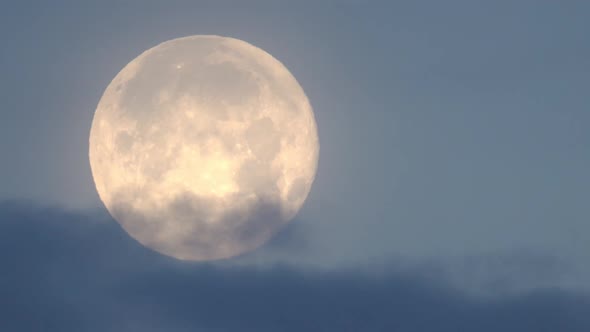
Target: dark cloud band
(66, 271)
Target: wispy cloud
(72, 271)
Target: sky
(452, 187)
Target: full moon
(203, 147)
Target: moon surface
(203, 147)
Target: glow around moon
(203, 147)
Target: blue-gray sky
(454, 137)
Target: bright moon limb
(203, 147)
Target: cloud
(76, 271)
(182, 227)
